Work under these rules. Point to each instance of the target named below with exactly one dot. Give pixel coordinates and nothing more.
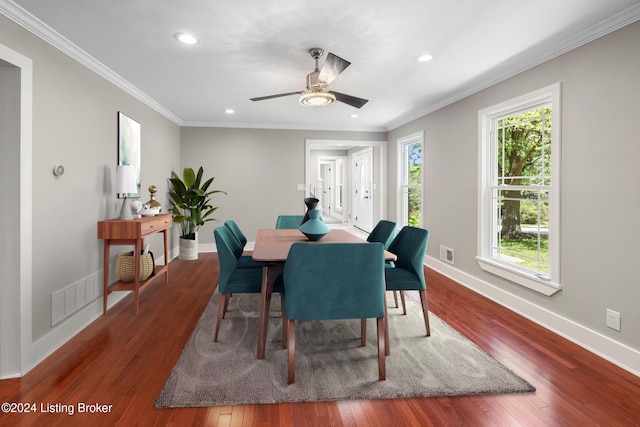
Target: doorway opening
(331, 177)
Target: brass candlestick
(153, 203)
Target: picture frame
(129, 148)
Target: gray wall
(75, 124)
(599, 183)
(259, 168)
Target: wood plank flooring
(121, 361)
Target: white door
(362, 173)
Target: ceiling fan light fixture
(314, 98)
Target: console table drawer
(157, 224)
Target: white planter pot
(188, 249)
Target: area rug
(330, 364)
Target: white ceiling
(252, 48)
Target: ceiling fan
(317, 94)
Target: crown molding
(283, 126)
(32, 24)
(520, 63)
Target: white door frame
(15, 306)
(335, 212)
(327, 197)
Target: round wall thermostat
(58, 170)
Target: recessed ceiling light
(426, 57)
(185, 38)
(354, 116)
(229, 111)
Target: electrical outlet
(613, 320)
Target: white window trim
(409, 139)
(490, 264)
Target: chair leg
(226, 304)
(395, 298)
(291, 359)
(222, 305)
(363, 332)
(404, 305)
(425, 312)
(382, 349)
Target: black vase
(311, 203)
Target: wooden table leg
(264, 312)
(269, 275)
(387, 349)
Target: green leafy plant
(191, 201)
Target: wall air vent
(446, 254)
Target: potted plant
(191, 208)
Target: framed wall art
(129, 148)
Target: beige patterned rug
(330, 364)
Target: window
(410, 169)
(519, 190)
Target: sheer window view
(521, 189)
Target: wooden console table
(133, 232)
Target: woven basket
(125, 266)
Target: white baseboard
(615, 352)
(211, 247)
(207, 247)
(68, 328)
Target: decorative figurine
(153, 203)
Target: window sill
(529, 281)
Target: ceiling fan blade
(350, 100)
(333, 66)
(276, 96)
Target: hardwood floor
(121, 361)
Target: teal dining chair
(237, 247)
(384, 232)
(289, 221)
(234, 280)
(334, 281)
(409, 246)
(237, 233)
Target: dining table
(271, 248)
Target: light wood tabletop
(272, 245)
